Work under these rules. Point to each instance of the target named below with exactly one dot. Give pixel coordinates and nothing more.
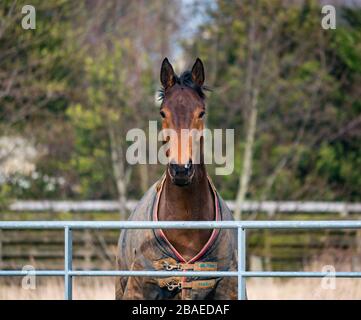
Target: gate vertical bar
(68, 263)
(241, 263)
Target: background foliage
(89, 72)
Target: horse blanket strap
(173, 283)
(171, 265)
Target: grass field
(99, 288)
(103, 288)
(261, 288)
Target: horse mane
(185, 80)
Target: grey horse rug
(148, 249)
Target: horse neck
(192, 202)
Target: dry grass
(298, 289)
(311, 288)
(53, 289)
(261, 288)
(103, 288)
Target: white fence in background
(270, 207)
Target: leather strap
(170, 264)
(173, 283)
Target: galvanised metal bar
(241, 273)
(344, 224)
(45, 273)
(247, 274)
(128, 273)
(241, 263)
(68, 263)
(301, 274)
(337, 224)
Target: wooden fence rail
(250, 206)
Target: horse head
(182, 111)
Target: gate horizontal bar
(344, 224)
(128, 273)
(23, 273)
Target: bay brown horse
(184, 193)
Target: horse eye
(162, 114)
(201, 115)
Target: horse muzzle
(181, 175)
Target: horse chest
(188, 242)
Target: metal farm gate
(242, 226)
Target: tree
(277, 79)
(36, 75)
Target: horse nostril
(174, 167)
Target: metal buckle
(174, 285)
(170, 267)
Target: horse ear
(167, 75)
(198, 72)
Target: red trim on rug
(211, 238)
